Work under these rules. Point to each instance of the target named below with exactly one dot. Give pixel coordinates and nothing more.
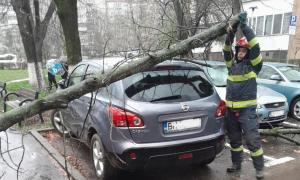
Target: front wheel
(102, 166)
(57, 123)
(295, 109)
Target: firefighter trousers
(244, 122)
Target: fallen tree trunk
(278, 132)
(290, 125)
(62, 98)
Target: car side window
(267, 72)
(91, 71)
(77, 75)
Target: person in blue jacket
(241, 100)
(54, 68)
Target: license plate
(183, 125)
(276, 113)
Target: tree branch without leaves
(62, 98)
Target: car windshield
(167, 86)
(218, 75)
(292, 73)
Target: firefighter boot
(234, 168)
(258, 162)
(259, 174)
(236, 157)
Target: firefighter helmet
(242, 43)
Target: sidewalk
(36, 165)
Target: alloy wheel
(98, 158)
(297, 110)
(58, 124)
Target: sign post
(292, 25)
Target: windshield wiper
(167, 98)
(295, 80)
(222, 85)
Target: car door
(73, 113)
(264, 78)
(86, 104)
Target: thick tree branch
(46, 20)
(60, 99)
(277, 131)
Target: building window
(260, 25)
(285, 25)
(277, 24)
(268, 25)
(249, 22)
(254, 24)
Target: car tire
(295, 109)
(57, 122)
(103, 169)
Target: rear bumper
(166, 156)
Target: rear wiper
(167, 98)
(223, 85)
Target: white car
(9, 59)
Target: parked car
(169, 115)
(285, 79)
(272, 107)
(8, 61)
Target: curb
(75, 174)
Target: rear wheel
(295, 109)
(57, 122)
(102, 166)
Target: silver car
(168, 115)
(272, 107)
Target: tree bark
(68, 16)
(182, 24)
(277, 131)
(62, 98)
(281, 133)
(33, 33)
(236, 9)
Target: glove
(243, 18)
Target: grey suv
(168, 115)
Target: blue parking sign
(293, 21)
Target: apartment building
(270, 19)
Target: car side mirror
(276, 77)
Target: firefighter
(241, 117)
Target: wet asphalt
(37, 163)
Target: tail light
(121, 118)
(220, 112)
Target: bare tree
(54, 44)
(62, 98)
(33, 31)
(236, 9)
(68, 16)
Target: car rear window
(167, 86)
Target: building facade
(270, 19)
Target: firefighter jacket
(241, 81)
